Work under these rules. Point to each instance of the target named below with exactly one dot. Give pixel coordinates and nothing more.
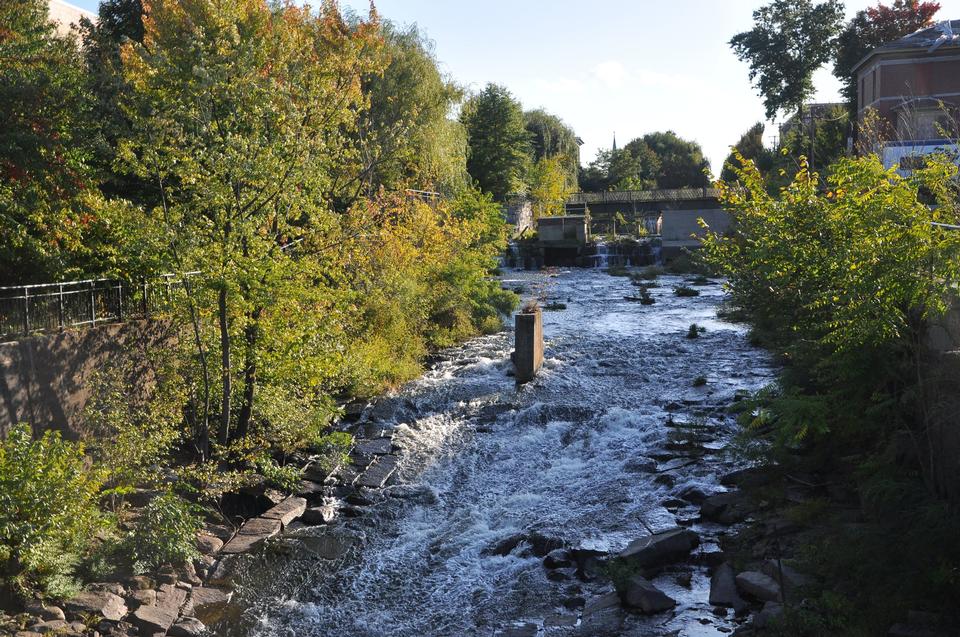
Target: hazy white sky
(624, 66)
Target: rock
(142, 598)
(561, 574)
(44, 612)
(378, 473)
(208, 544)
(557, 558)
(640, 594)
(207, 604)
(26, 633)
(523, 630)
(108, 587)
(319, 515)
(153, 619)
(770, 613)
(725, 508)
(640, 466)
(759, 586)
(376, 447)
(288, 510)
(694, 495)
(602, 616)
(792, 579)
(226, 570)
(171, 598)
(219, 531)
(749, 477)
(140, 582)
(661, 548)
(358, 499)
(187, 627)
(50, 626)
(102, 603)
(723, 589)
(560, 621)
(241, 544)
(327, 546)
(261, 527)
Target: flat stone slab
(376, 447)
(288, 510)
(378, 473)
(171, 598)
(208, 604)
(261, 527)
(759, 586)
(153, 619)
(242, 544)
(661, 548)
(102, 603)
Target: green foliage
(617, 270)
(750, 146)
(685, 291)
(695, 330)
(550, 138)
(48, 511)
(656, 160)
(499, 143)
(549, 187)
(789, 41)
(333, 449)
(165, 533)
(286, 478)
(133, 434)
(699, 381)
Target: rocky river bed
(506, 501)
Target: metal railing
(45, 307)
(628, 196)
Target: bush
(695, 331)
(333, 449)
(286, 478)
(699, 381)
(617, 270)
(683, 290)
(48, 512)
(165, 533)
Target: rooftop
(944, 34)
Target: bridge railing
(46, 307)
(614, 196)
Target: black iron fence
(26, 309)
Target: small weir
(592, 454)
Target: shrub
(48, 511)
(554, 306)
(333, 449)
(683, 290)
(699, 381)
(285, 478)
(695, 331)
(617, 270)
(165, 533)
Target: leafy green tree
(499, 143)
(872, 27)
(48, 512)
(240, 114)
(165, 533)
(50, 221)
(681, 163)
(404, 137)
(789, 41)
(551, 137)
(549, 187)
(750, 146)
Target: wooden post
(528, 345)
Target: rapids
(580, 454)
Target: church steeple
(614, 140)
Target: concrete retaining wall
(45, 379)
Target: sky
(624, 67)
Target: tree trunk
(251, 335)
(224, 434)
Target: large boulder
(725, 508)
(319, 515)
(208, 604)
(660, 549)
(288, 510)
(758, 586)
(153, 619)
(102, 603)
(723, 589)
(187, 627)
(640, 594)
(602, 616)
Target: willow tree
(240, 111)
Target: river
(586, 453)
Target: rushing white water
(569, 455)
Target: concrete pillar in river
(528, 345)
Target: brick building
(913, 84)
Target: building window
(924, 123)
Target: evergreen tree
(499, 143)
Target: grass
(685, 291)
